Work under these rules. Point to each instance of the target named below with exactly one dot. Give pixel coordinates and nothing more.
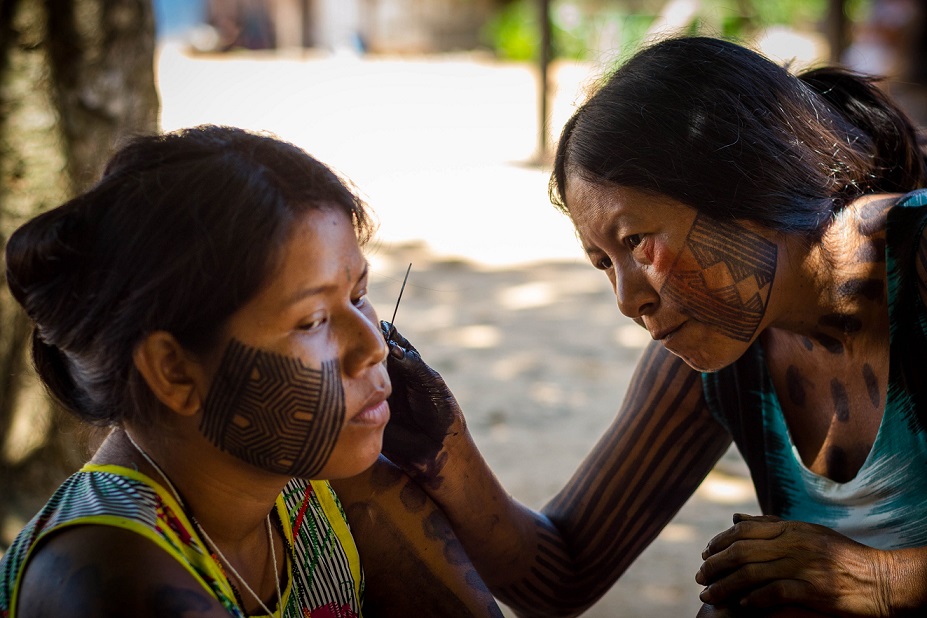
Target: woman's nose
(636, 296)
(364, 344)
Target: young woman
(207, 300)
(768, 230)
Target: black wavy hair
(181, 231)
(723, 129)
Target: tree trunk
(75, 77)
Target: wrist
(903, 581)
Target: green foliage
(577, 25)
(514, 33)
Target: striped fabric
(325, 581)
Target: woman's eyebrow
(325, 287)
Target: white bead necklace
(270, 536)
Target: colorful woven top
(325, 579)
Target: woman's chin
(348, 462)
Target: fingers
(748, 554)
(742, 581)
(746, 527)
(780, 592)
(394, 336)
(738, 555)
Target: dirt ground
(539, 359)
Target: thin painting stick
(392, 321)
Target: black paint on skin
(795, 383)
(844, 323)
(830, 344)
(872, 217)
(837, 465)
(735, 309)
(422, 411)
(841, 401)
(430, 590)
(437, 527)
(872, 252)
(413, 497)
(385, 476)
(870, 289)
(274, 412)
(872, 385)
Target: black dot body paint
(273, 411)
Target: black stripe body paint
(795, 382)
(841, 400)
(872, 385)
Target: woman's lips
(663, 334)
(375, 414)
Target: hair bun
(44, 259)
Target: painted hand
(423, 412)
(764, 562)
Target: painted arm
(413, 564)
(559, 561)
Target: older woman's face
(699, 286)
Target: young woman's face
(699, 286)
(299, 386)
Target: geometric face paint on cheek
(274, 412)
(723, 277)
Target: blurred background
(444, 114)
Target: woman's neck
(228, 498)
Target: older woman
(768, 230)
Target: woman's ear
(175, 378)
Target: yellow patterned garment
(325, 578)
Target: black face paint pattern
(723, 277)
(273, 411)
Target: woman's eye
(604, 264)
(361, 300)
(634, 240)
(313, 324)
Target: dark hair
(720, 128)
(181, 231)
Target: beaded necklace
(199, 528)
